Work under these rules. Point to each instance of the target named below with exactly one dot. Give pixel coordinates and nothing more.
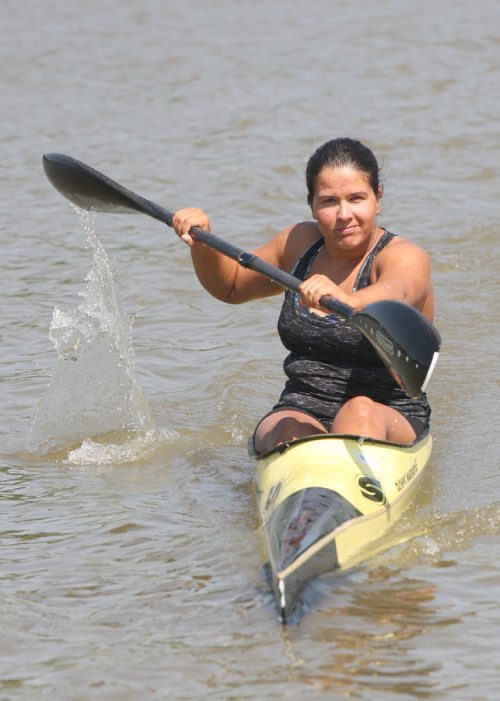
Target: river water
(131, 566)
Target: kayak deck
(325, 499)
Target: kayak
(326, 501)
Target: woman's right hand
(186, 219)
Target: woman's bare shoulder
(405, 265)
(296, 240)
(403, 249)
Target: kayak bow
(326, 500)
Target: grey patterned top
(330, 361)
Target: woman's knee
(360, 416)
(283, 426)
(361, 408)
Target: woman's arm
(223, 277)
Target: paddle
(404, 339)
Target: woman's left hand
(318, 286)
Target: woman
(336, 382)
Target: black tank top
(330, 361)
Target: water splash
(94, 390)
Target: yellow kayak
(326, 499)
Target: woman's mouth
(346, 229)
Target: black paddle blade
(87, 188)
(404, 338)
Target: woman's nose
(344, 210)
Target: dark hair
(339, 153)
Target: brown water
(133, 571)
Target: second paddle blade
(405, 339)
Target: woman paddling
(336, 381)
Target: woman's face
(345, 207)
